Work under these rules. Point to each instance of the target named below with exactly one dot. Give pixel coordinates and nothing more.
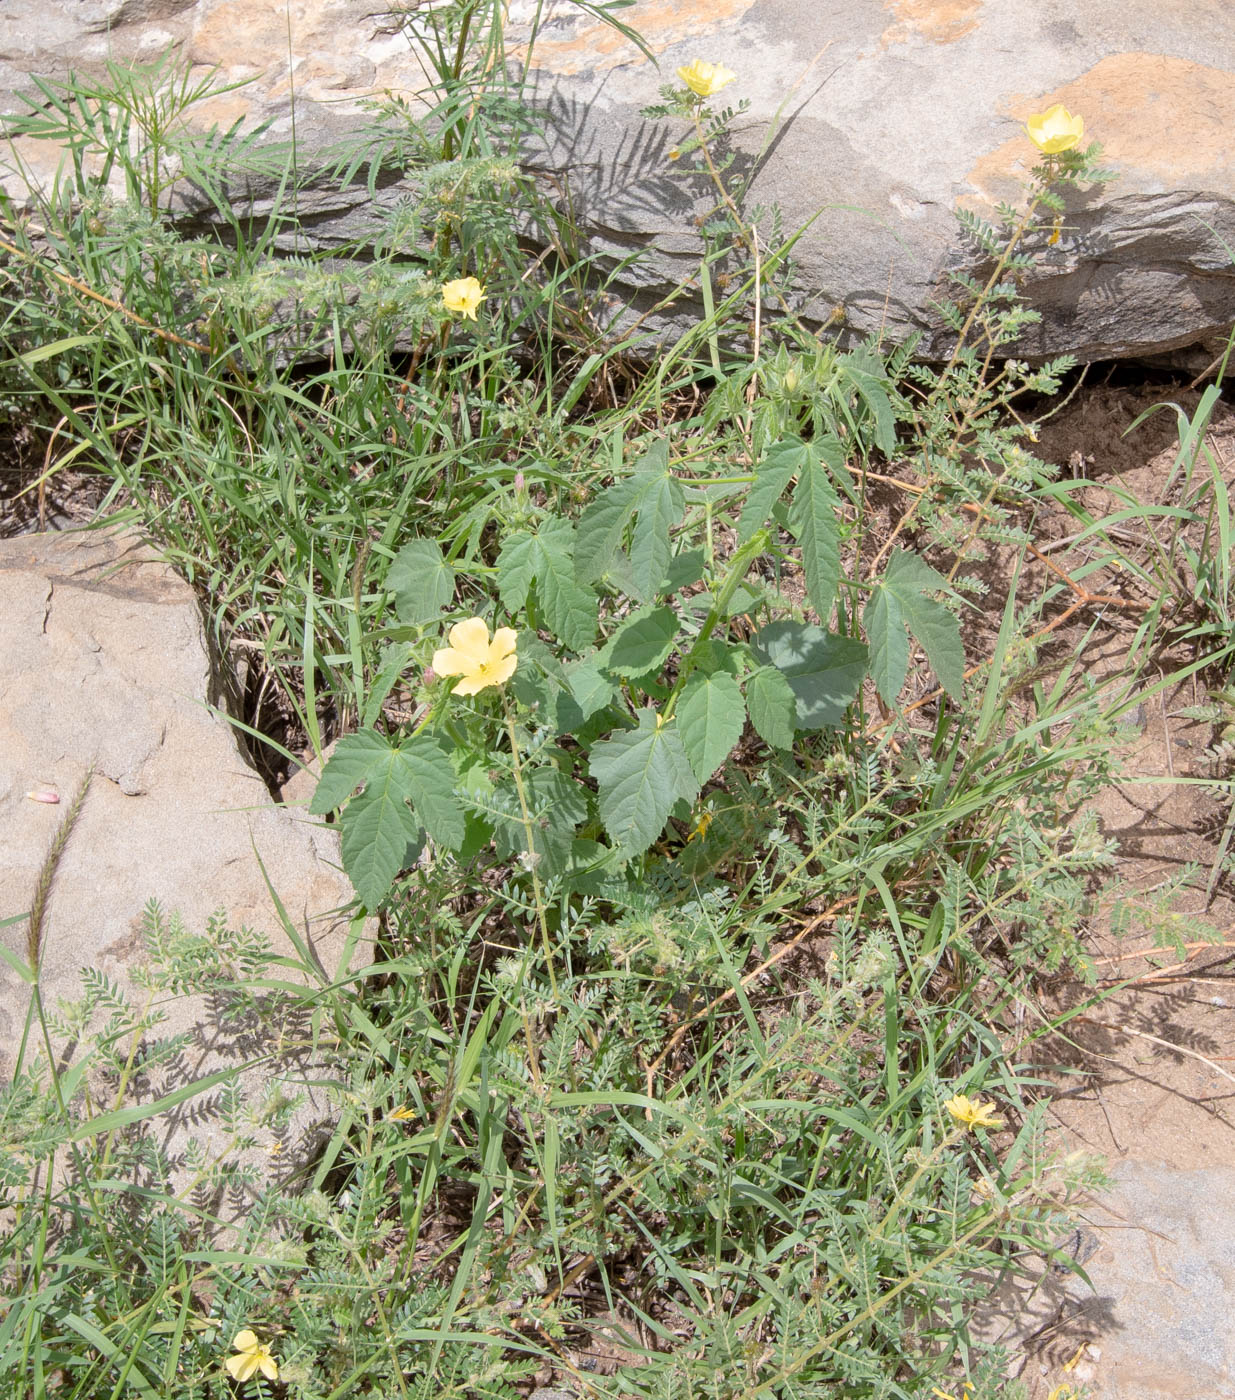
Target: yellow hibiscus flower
(479, 661)
(464, 295)
(1054, 130)
(251, 1356)
(705, 79)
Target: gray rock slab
(1154, 1320)
(1164, 1285)
(892, 116)
(105, 662)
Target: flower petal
(241, 1367)
(244, 1341)
(504, 641)
(705, 79)
(270, 1367)
(447, 662)
(471, 638)
(501, 669)
(470, 685)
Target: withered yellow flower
(1054, 130)
(251, 1356)
(706, 79)
(464, 295)
(479, 661)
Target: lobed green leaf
(642, 644)
(711, 716)
(812, 518)
(902, 600)
(823, 669)
(422, 581)
(641, 773)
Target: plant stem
(738, 565)
(532, 858)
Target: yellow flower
(464, 294)
(973, 1113)
(473, 656)
(1054, 130)
(251, 1356)
(402, 1114)
(705, 79)
(1066, 1391)
(700, 828)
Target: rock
(302, 783)
(1152, 1322)
(894, 116)
(1163, 1285)
(105, 662)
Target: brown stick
(84, 290)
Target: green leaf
(711, 716)
(517, 561)
(570, 610)
(640, 774)
(591, 691)
(812, 519)
(684, 570)
(642, 644)
(422, 581)
(889, 642)
(378, 824)
(712, 655)
(547, 558)
(428, 779)
(902, 600)
(601, 526)
(380, 838)
(660, 508)
(654, 495)
(773, 707)
(539, 678)
(556, 806)
(866, 373)
(355, 757)
(783, 461)
(823, 669)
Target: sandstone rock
(894, 115)
(105, 662)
